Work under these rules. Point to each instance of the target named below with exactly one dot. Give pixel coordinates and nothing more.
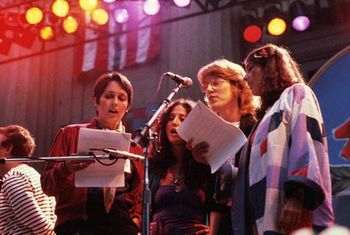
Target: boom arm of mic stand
(57, 159)
(141, 137)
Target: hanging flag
(132, 42)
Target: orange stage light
(100, 16)
(46, 33)
(276, 21)
(70, 24)
(277, 26)
(60, 8)
(34, 15)
(88, 5)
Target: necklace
(177, 178)
(179, 183)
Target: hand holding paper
(224, 139)
(97, 175)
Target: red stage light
(252, 33)
(251, 29)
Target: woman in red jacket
(86, 210)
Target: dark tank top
(177, 212)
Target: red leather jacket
(57, 181)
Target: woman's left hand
(199, 151)
(136, 222)
(202, 229)
(77, 165)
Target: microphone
(119, 153)
(184, 81)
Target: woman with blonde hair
(227, 93)
(229, 96)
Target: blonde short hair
(235, 74)
(222, 68)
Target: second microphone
(184, 81)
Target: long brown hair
(280, 71)
(195, 173)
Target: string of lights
(62, 17)
(277, 19)
(23, 21)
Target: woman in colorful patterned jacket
(283, 180)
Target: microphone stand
(144, 136)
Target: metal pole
(143, 137)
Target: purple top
(178, 212)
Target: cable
(102, 163)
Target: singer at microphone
(184, 81)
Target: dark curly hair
(280, 71)
(195, 174)
(23, 144)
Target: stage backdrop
(331, 84)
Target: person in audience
(96, 210)
(24, 208)
(283, 182)
(229, 96)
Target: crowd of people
(278, 183)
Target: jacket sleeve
(308, 165)
(55, 177)
(134, 196)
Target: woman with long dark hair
(283, 181)
(180, 194)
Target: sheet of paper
(97, 175)
(224, 139)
